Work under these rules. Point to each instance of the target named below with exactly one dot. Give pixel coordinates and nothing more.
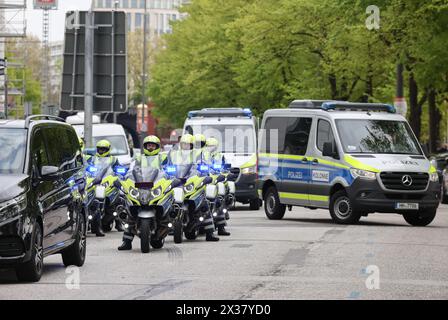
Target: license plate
(406, 206)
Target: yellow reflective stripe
(358, 164)
(281, 156)
(331, 163)
(319, 198)
(292, 157)
(251, 163)
(297, 196)
(302, 196)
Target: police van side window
(273, 135)
(324, 134)
(297, 135)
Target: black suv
(42, 185)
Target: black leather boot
(126, 245)
(118, 226)
(99, 232)
(223, 232)
(211, 237)
(99, 229)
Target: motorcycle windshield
(184, 171)
(146, 174)
(101, 168)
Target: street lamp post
(143, 124)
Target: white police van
(236, 131)
(352, 158)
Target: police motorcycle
(200, 195)
(102, 195)
(152, 196)
(220, 173)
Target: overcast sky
(57, 18)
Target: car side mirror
(49, 173)
(328, 150)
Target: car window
(13, 149)
(75, 147)
(324, 134)
(61, 149)
(273, 135)
(297, 135)
(39, 150)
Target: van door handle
(315, 161)
(304, 160)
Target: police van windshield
(232, 138)
(12, 157)
(118, 144)
(377, 136)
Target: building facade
(56, 51)
(159, 13)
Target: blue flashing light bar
(358, 106)
(221, 112)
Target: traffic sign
(46, 4)
(110, 62)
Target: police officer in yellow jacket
(150, 158)
(200, 151)
(217, 157)
(103, 157)
(187, 154)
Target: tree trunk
(434, 121)
(415, 109)
(333, 86)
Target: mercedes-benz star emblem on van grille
(406, 180)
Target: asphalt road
(303, 256)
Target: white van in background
(236, 131)
(112, 132)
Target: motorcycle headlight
(358, 173)
(156, 192)
(189, 188)
(134, 193)
(105, 185)
(248, 170)
(12, 208)
(434, 177)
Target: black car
(42, 185)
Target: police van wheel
(273, 209)
(420, 219)
(341, 209)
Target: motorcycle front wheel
(178, 231)
(145, 235)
